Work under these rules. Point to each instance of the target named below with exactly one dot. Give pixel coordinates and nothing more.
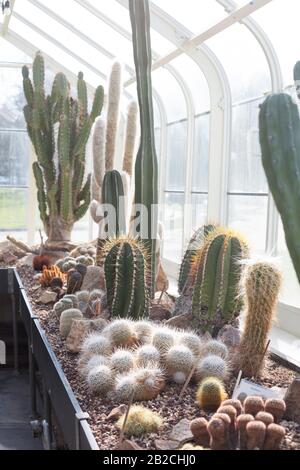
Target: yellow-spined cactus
(140, 421)
(211, 393)
(262, 284)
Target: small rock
(94, 279)
(165, 299)
(47, 297)
(25, 261)
(116, 413)
(230, 336)
(159, 313)
(161, 444)
(181, 432)
(292, 400)
(180, 321)
(129, 445)
(9, 258)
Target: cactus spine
(216, 300)
(125, 268)
(59, 128)
(146, 167)
(262, 284)
(195, 244)
(279, 127)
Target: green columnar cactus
(125, 268)
(195, 244)
(59, 128)
(279, 128)
(297, 78)
(262, 284)
(216, 300)
(146, 167)
(113, 194)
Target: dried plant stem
(126, 418)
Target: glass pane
(244, 62)
(9, 53)
(176, 156)
(246, 173)
(201, 154)
(171, 94)
(173, 227)
(194, 14)
(199, 210)
(195, 81)
(63, 35)
(55, 52)
(11, 99)
(248, 215)
(280, 20)
(14, 158)
(13, 210)
(290, 293)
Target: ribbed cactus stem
(125, 268)
(262, 284)
(114, 204)
(146, 166)
(98, 158)
(130, 139)
(280, 144)
(297, 78)
(216, 297)
(114, 94)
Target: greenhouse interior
(149, 251)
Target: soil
(167, 403)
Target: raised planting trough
(55, 409)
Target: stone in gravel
(180, 321)
(116, 413)
(9, 258)
(230, 336)
(94, 279)
(129, 445)
(47, 297)
(181, 432)
(25, 261)
(79, 330)
(159, 312)
(292, 400)
(161, 444)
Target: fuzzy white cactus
(87, 362)
(101, 379)
(147, 354)
(163, 339)
(191, 341)
(122, 361)
(96, 344)
(125, 387)
(179, 362)
(113, 108)
(215, 348)
(131, 131)
(121, 333)
(144, 331)
(99, 136)
(211, 366)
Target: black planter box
(51, 393)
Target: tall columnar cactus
(59, 127)
(146, 167)
(262, 283)
(113, 194)
(131, 132)
(279, 127)
(216, 299)
(297, 78)
(125, 267)
(113, 111)
(195, 244)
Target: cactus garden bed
(167, 403)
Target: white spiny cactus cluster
(137, 358)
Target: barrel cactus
(59, 127)
(125, 268)
(216, 299)
(195, 244)
(279, 131)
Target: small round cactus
(89, 362)
(241, 425)
(211, 366)
(144, 331)
(121, 333)
(83, 296)
(276, 407)
(86, 260)
(163, 339)
(218, 434)
(253, 405)
(149, 381)
(100, 379)
(125, 387)
(81, 269)
(73, 299)
(274, 436)
(199, 430)
(122, 361)
(140, 421)
(66, 320)
(95, 295)
(256, 432)
(230, 411)
(146, 354)
(179, 362)
(236, 404)
(214, 348)
(266, 418)
(191, 341)
(211, 393)
(96, 344)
